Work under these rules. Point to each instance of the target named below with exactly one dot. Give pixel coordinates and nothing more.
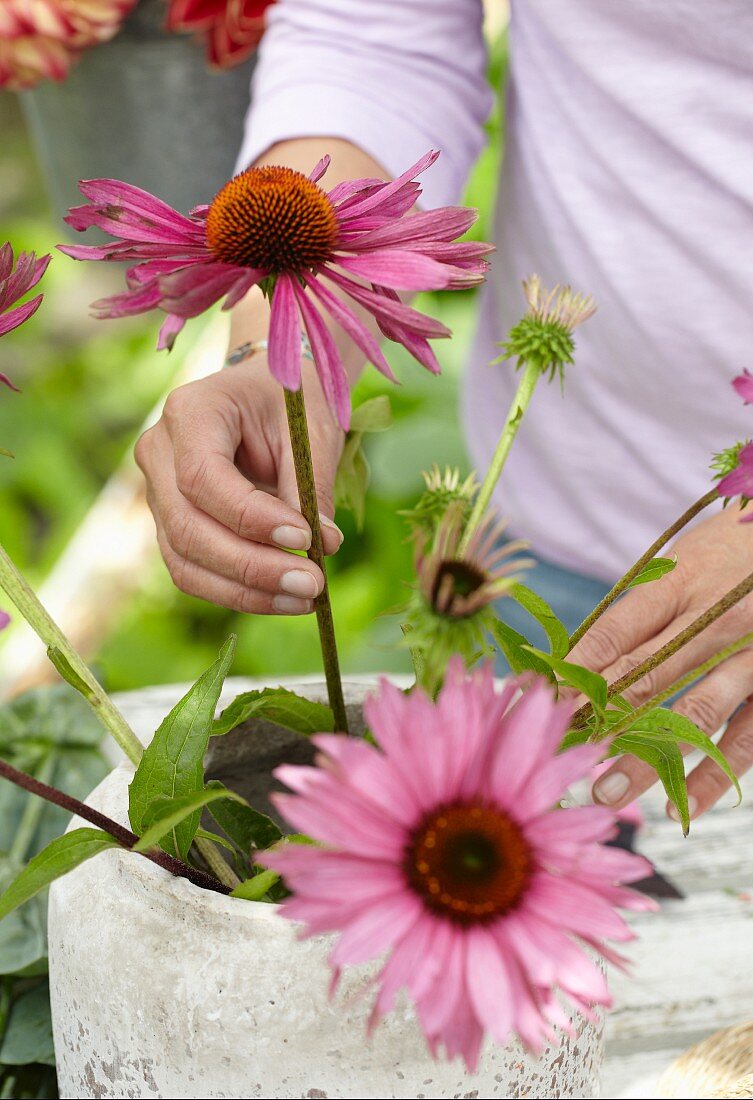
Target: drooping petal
(327, 359)
(743, 386)
(351, 324)
(284, 352)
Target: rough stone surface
(160, 989)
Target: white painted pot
(160, 989)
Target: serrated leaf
(68, 673)
(246, 827)
(373, 415)
(173, 764)
(57, 859)
(254, 889)
(685, 732)
(588, 683)
(165, 813)
(653, 570)
(556, 632)
(279, 705)
(664, 756)
(514, 647)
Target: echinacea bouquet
(437, 842)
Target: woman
(628, 171)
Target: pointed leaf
(373, 415)
(589, 683)
(653, 570)
(173, 764)
(58, 858)
(685, 732)
(559, 639)
(279, 705)
(165, 813)
(254, 889)
(246, 827)
(516, 651)
(664, 756)
(352, 479)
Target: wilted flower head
(443, 488)
(442, 851)
(451, 609)
(14, 283)
(231, 28)
(735, 468)
(40, 39)
(543, 338)
(278, 229)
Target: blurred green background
(87, 386)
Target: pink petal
(5, 619)
(489, 984)
(351, 324)
(398, 270)
(169, 330)
(327, 359)
(16, 317)
(388, 309)
(194, 289)
(319, 169)
(739, 480)
(551, 780)
(386, 192)
(743, 386)
(425, 226)
(377, 929)
(284, 353)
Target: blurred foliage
(88, 385)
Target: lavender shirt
(628, 171)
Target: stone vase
(160, 989)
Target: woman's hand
(221, 486)
(711, 558)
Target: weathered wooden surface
(691, 963)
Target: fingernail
(291, 605)
(291, 538)
(331, 526)
(298, 582)
(611, 788)
(692, 807)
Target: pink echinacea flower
(277, 227)
(14, 283)
(444, 851)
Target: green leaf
(588, 683)
(685, 732)
(254, 889)
(278, 705)
(58, 858)
(352, 479)
(559, 639)
(664, 756)
(28, 1035)
(173, 764)
(372, 415)
(246, 827)
(68, 673)
(165, 813)
(23, 933)
(653, 570)
(516, 651)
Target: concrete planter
(144, 108)
(160, 989)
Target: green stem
(701, 623)
(36, 615)
(304, 472)
(50, 633)
(678, 685)
(624, 582)
(33, 810)
(520, 403)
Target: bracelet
(248, 350)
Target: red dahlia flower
(275, 226)
(232, 27)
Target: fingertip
(332, 536)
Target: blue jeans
(572, 596)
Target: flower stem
(123, 836)
(678, 685)
(624, 582)
(520, 403)
(304, 472)
(38, 618)
(50, 633)
(701, 623)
